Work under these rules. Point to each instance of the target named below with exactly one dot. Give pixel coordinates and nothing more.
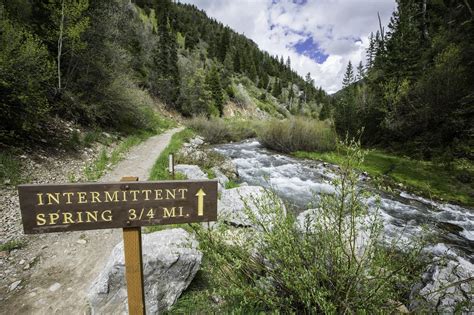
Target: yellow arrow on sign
(200, 194)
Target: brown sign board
(73, 207)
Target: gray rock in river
(191, 171)
(221, 178)
(170, 262)
(257, 201)
(446, 288)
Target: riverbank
(218, 287)
(452, 183)
(446, 182)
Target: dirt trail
(69, 262)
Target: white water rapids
(301, 181)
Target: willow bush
(297, 134)
(217, 130)
(336, 261)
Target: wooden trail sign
(73, 207)
(128, 204)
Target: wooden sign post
(128, 204)
(132, 246)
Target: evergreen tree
(325, 112)
(223, 45)
(370, 53)
(166, 57)
(213, 82)
(348, 76)
(276, 91)
(360, 72)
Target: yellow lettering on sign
(111, 197)
(68, 196)
(172, 194)
(67, 218)
(182, 191)
(40, 219)
(79, 217)
(171, 213)
(158, 195)
(40, 199)
(82, 197)
(134, 193)
(53, 218)
(146, 192)
(107, 215)
(54, 197)
(95, 197)
(91, 215)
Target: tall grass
(297, 134)
(218, 130)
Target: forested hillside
(104, 64)
(415, 92)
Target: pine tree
(214, 84)
(325, 112)
(291, 93)
(166, 57)
(223, 45)
(370, 51)
(348, 76)
(276, 91)
(360, 72)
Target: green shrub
(90, 137)
(314, 266)
(25, 74)
(73, 142)
(297, 134)
(10, 171)
(217, 130)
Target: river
(299, 182)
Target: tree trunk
(425, 24)
(60, 45)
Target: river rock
(259, 202)
(191, 171)
(223, 180)
(14, 285)
(196, 141)
(229, 169)
(170, 262)
(442, 289)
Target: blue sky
(319, 36)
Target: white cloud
(340, 27)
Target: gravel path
(62, 266)
(140, 160)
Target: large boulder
(170, 262)
(190, 171)
(446, 288)
(236, 204)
